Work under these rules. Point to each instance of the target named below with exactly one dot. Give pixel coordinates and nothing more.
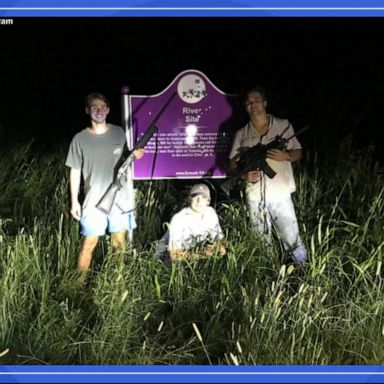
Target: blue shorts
(96, 223)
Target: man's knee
(89, 243)
(118, 245)
(85, 255)
(118, 241)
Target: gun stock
(106, 202)
(229, 184)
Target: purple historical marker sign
(195, 131)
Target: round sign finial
(191, 88)
(125, 89)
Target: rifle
(254, 159)
(106, 202)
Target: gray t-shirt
(96, 156)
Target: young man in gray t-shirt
(93, 153)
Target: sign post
(127, 126)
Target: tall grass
(249, 307)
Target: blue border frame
(197, 8)
(191, 374)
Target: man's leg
(86, 251)
(118, 242)
(118, 224)
(161, 252)
(260, 219)
(93, 224)
(284, 219)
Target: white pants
(280, 215)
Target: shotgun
(106, 202)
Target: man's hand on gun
(278, 155)
(252, 176)
(138, 153)
(211, 249)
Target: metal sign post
(127, 126)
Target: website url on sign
(6, 22)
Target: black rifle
(254, 159)
(106, 202)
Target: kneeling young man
(195, 231)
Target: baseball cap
(200, 189)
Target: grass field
(246, 308)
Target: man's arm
(208, 251)
(74, 184)
(233, 163)
(292, 153)
(287, 155)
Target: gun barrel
(299, 132)
(146, 137)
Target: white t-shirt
(187, 228)
(283, 184)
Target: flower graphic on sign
(191, 89)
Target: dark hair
(93, 96)
(255, 88)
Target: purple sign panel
(196, 122)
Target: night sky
(325, 72)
